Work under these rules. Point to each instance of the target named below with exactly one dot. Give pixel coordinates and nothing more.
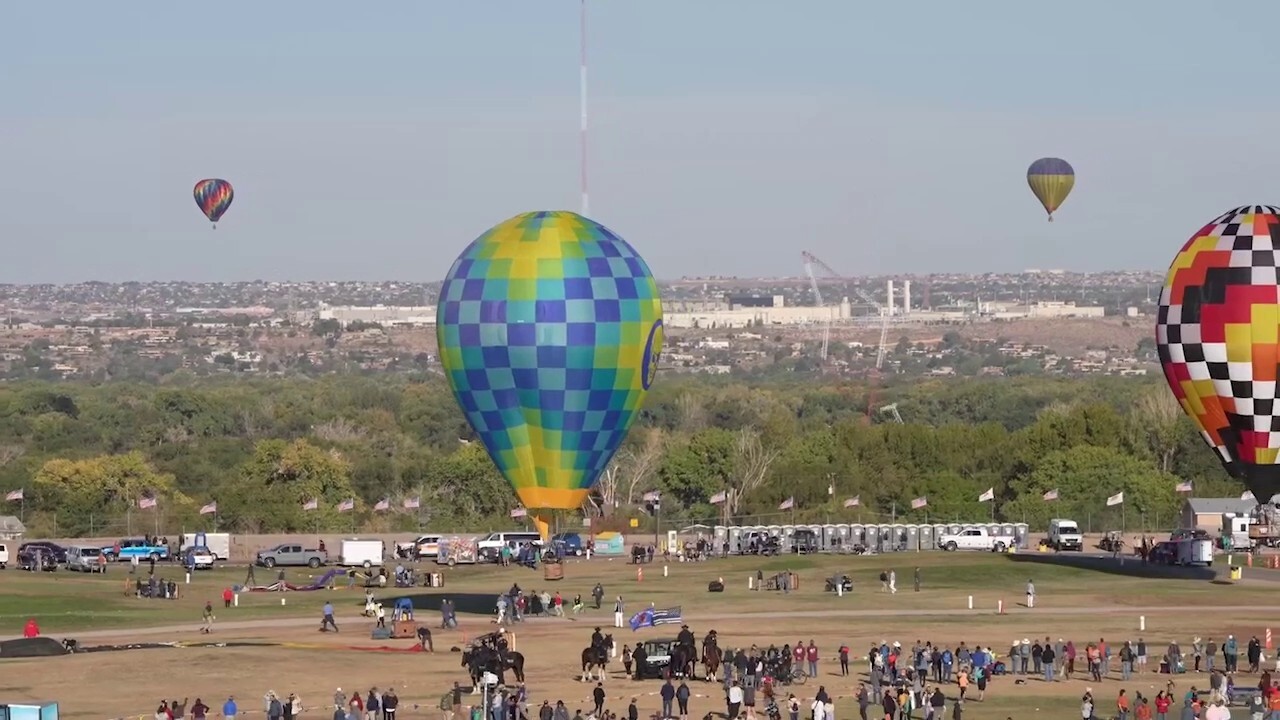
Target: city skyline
(377, 145)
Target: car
(198, 557)
(568, 544)
(130, 548)
(84, 558)
(805, 542)
(1065, 534)
(973, 539)
(291, 555)
(46, 548)
(490, 546)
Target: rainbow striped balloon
(550, 329)
(213, 196)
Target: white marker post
(188, 577)
(235, 599)
(839, 588)
(970, 602)
(664, 571)
(751, 582)
(1142, 623)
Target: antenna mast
(582, 82)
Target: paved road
(190, 629)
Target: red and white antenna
(582, 80)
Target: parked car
(36, 558)
(58, 552)
(973, 539)
(84, 558)
(289, 555)
(199, 557)
(657, 658)
(568, 544)
(130, 548)
(805, 542)
(4, 555)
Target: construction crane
(892, 411)
(810, 260)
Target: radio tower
(582, 82)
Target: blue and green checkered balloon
(550, 329)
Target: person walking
(326, 621)
(208, 618)
(597, 695)
(893, 582)
(682, 699)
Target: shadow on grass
(1129, 567)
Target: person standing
(326, 621)
(917, 579)
(597, 695)
(811, 653)
(893, 582)
(1031, 594)
(734, 701)
(668, 695)
(682, 700)
(208, 618)
(389, 703)
(844, 660)
(230, 709)
(618, 609)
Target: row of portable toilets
(878, 538)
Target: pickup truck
(131, 548)
(973, 539)
(291, 556)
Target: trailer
(219, 544)
(361, 553)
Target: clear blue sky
(374, 140)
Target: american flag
(855, 501)
(14, 495)
(788, 503)
(210, 509)
(652, 496)
(1183, 487)
(146, 502)
(412, 503)
(311, 504)
(383, 505)
(919, 503)
(719, 498)
(1050, 495)
(347, 505)
(519, 512)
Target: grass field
(1073, 603)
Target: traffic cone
(639, 574)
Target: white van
(4, 555)
(491, 544)
(1065, 534)
(85, 559)
(361, 553)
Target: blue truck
(131, 548)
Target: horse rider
(685, 637)
(597, 639)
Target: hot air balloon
(1051, 179)
(550, 329)
(1218, 336)
(213, 196)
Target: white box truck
(361, 553)
(219, 544)
(1065, 534)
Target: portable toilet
(1007, 530)
(830, 538)
(735, 539)
(953, 529)
(720, 535)
(926, 538)
(912, 535)
(774, 531)
(842, 540)
(898, 536)
(857, 535)
(938, 531)
(871, 537)
(1022, 532)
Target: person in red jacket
(31, 629)
(812, 654)
(227, 597)
(798, 655)
(1162, 704)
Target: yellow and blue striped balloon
(1051, 179)
(550, 330)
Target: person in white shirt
(1217, 711)
(617, 612)
(735, 700)
(819, 710)
(893, 582)
(1031, 594)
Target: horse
(711, 659)
(683, 661)
(478, 661)
(595, 659)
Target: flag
(919, 503)
(1183, 487)
(652, 496)
(146, 502)
(383, 505)
(210, 509)
(719, 497)
(311, 504)
(1050, 495)
(519, 512)
(854, 501)
(652, 617)
(788, 504)
(1116, 499)
(412, 503)
(14, 496)
(987, 496)
(1247, 495)
(347, 505)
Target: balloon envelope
(213, 196)
(1217, 331)
(550, 329)
(1051, 179)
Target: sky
(375, 141)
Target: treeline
(83, 455)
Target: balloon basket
(553, 571)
